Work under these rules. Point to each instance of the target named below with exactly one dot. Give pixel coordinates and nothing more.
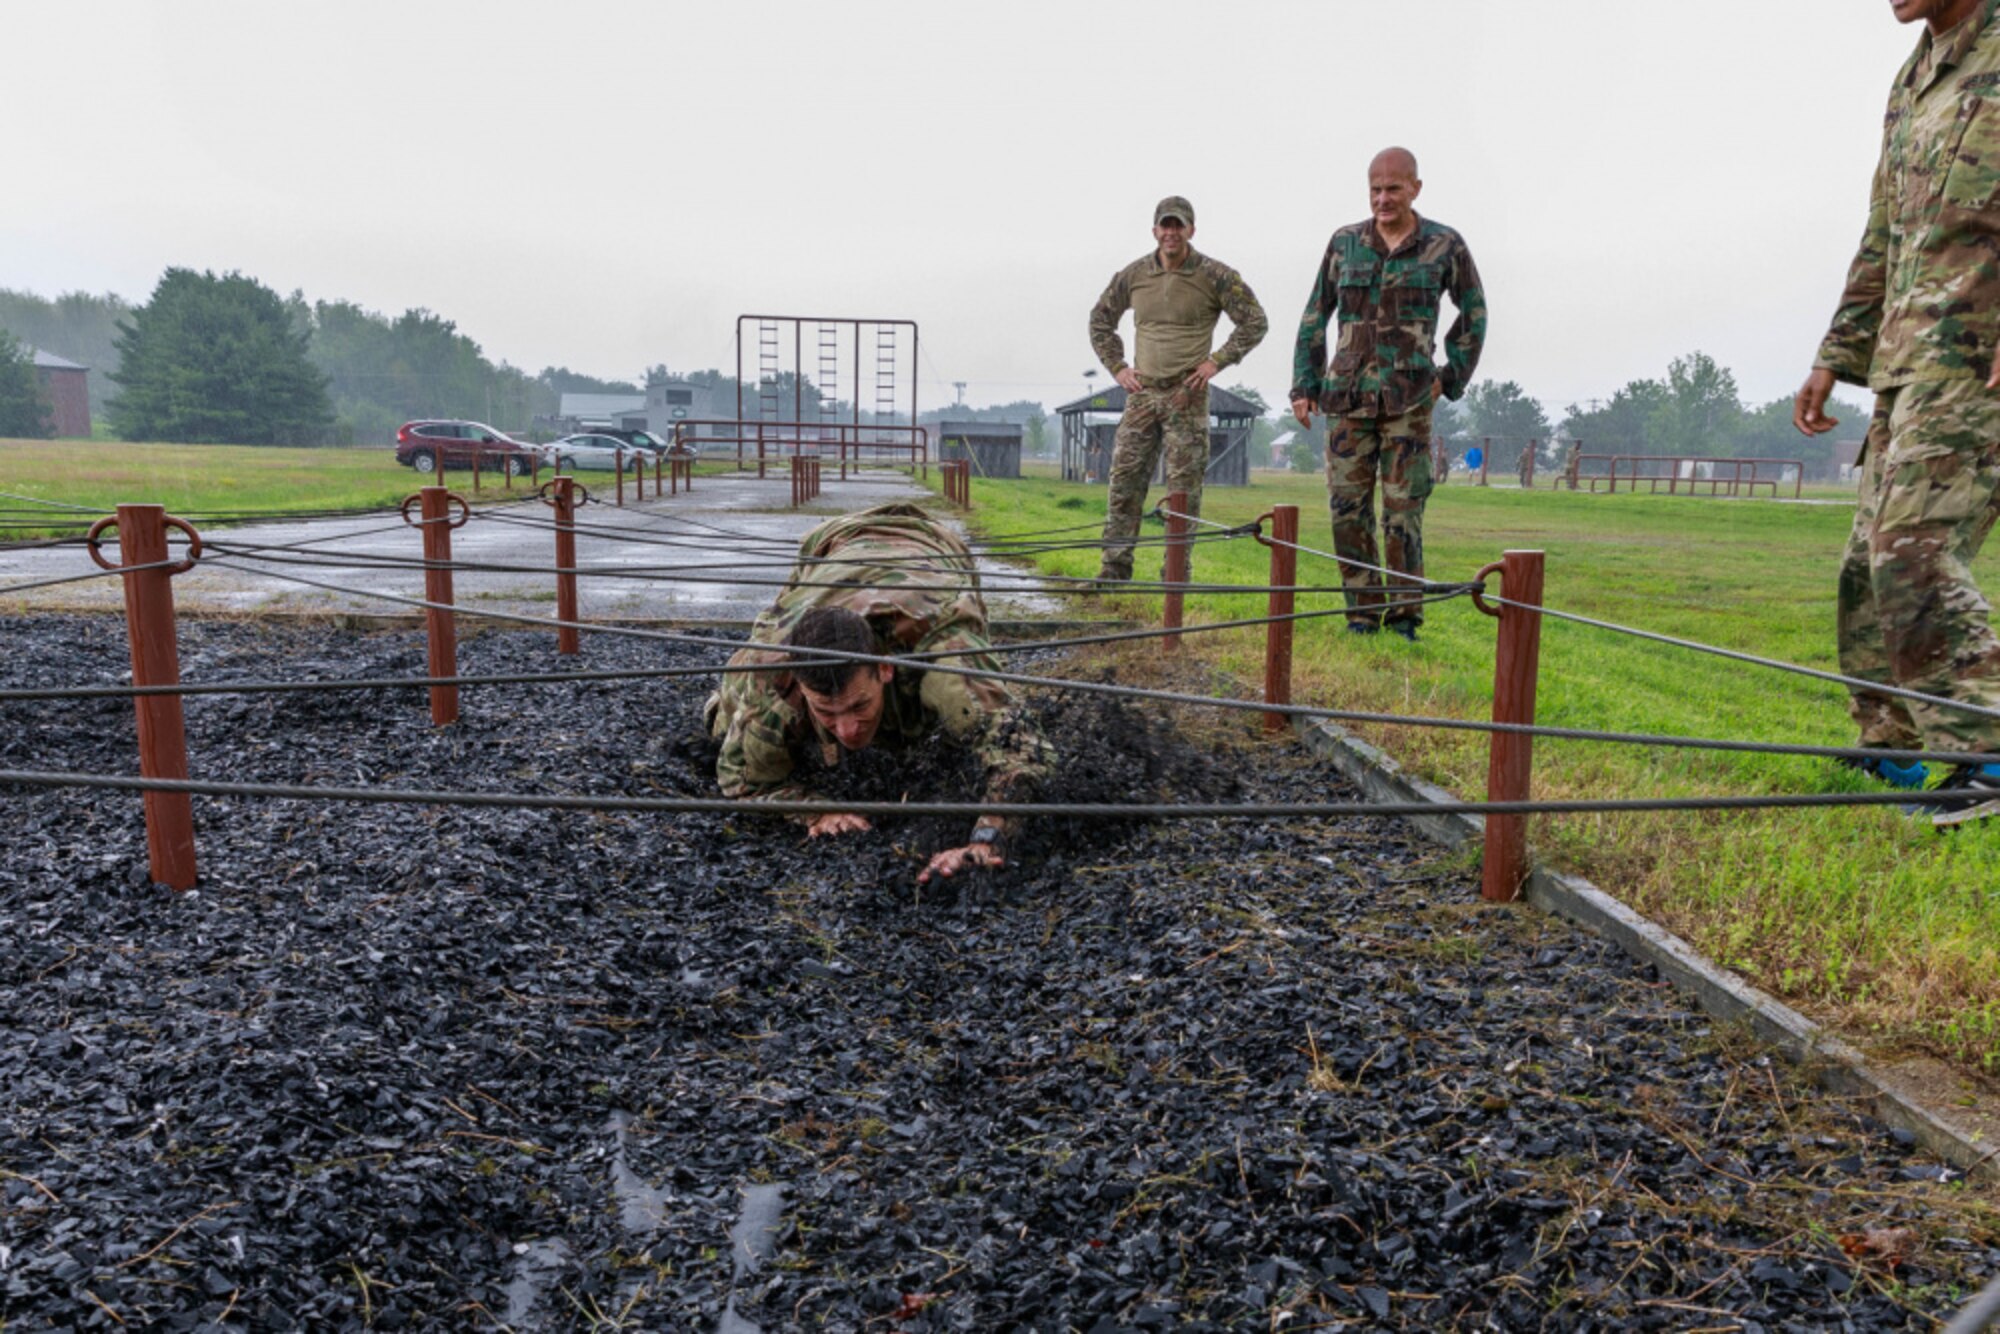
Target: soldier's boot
(1407, 629)
(1985, 778)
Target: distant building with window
(662, 405)
(68, 386)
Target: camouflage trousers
(1910, 614)
(1397, 452)
(1153, 419)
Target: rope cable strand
(1083, 810)
(1176, 697)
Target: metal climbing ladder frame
(891, 435)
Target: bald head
(1393, 187)
(1394, 162)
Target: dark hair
(836, 628)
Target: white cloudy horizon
(609, 185)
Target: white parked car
(594, 453)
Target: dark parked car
(429, 446)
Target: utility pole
(959, 385)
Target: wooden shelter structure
(1089, 423)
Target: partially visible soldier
(1176, 294)
(890, 581)
(1526, 466)
(1917, 324)
(1380, 281)
(1573, 464)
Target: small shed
(1088, 425)
(993, 447)
(68, 386)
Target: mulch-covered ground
(404, 1067)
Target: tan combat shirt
(1174, 311)
(1923, 296)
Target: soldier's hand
(1199, 377)
(953, 860)
(838, 822)
(1128, 380)
(1809, 408)
(1302, 411)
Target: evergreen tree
(24, 408)
(219, 361)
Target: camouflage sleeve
(987, 717)
(1467, 336)
(1849, 349)
(1309, 353)
(1104, 317)
(1239, 303)
(756, 760)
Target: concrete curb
(1832, 1063)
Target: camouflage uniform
(1175, 311)
(1917, 324)
(1376, 391)
(920, 594)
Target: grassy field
(212, 479)
(1865, 918)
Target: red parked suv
(428, 446)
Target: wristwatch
(987, 835)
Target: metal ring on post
(1257, 526)
(1479, 586)
(464, 509)
(178, 567)
(579, 494)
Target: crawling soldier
(890, 581)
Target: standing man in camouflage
(1380, 282)
(1918, 324)
(887, 581)
(1175, 295)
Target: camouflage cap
(1173, 206)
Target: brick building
(67, 385)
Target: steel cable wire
(1080, 810)
(1207, 701)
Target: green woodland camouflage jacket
(1923, 295)
(1174, 313)
(916, 585)
(1386, 308)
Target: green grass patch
(1868, 919)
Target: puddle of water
(751, 1242)
(641, 1208)
(536, 1265)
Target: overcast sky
(608, 185)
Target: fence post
(564, 489)
(659, 474)
(440, 626)
(1485, 456)
(149, 625)
(618, 468)
(1278, 634)
(475, 469)
(535, 470)
(1177, 566)
(1510, 758)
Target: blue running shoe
(1908, 777)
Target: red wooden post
(1485, 456)
(1278, 634)
(618, 465)
(535, 470)
(149, 625)
(475, 469)
(441, 628)
(1510, 760)
(567, 640)
(659, 474)
(1177, 565)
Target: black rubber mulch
(454, 1068)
